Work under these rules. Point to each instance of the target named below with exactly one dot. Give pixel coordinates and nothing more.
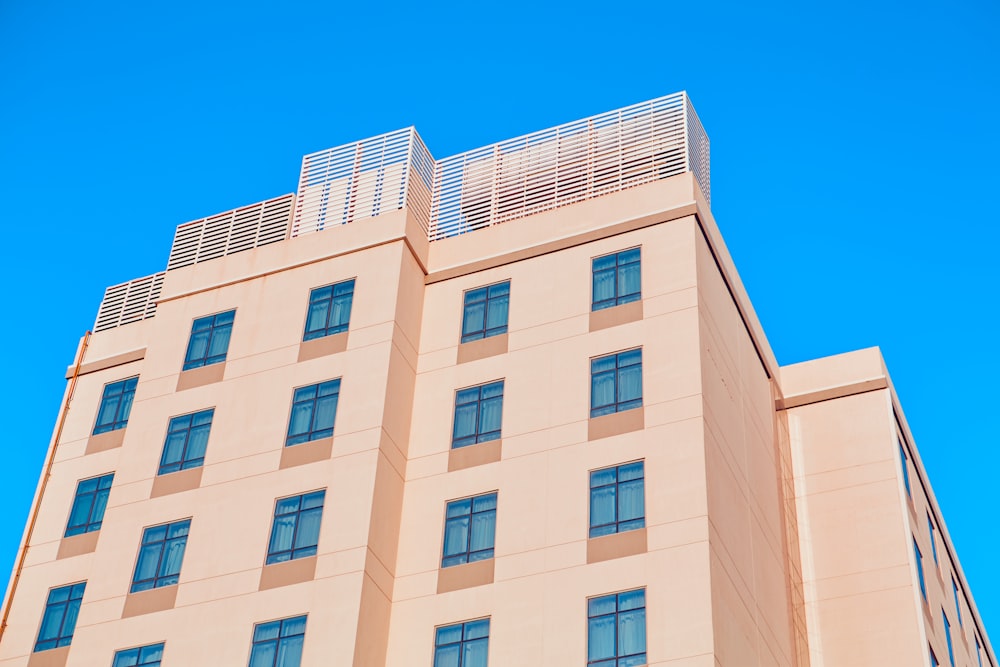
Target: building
(510, 407)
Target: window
(314, 409)
(478, 412)
(617, 279)
(59, 619)
(485, 312)
(91, 499)
(906, 468)
(617, 502)
(958, 607)
(278, 643)
(329, 310)
(209, 340)
(934, 660)
(116, 404)
(469, 530)
(463, 644)
(930, 529)
(947, 636)
(187, 437)
(160, 556)
(616, 629)
(145, 656)
(295, 531)
(979, 651)
(920, 569)
(616, 382)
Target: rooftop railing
(537, 172)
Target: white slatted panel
(699, 152)
(562, 165)
(129, 302)
(230, 232)
(361, 180)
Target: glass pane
(126, 407)
(604, 286)
(474, 318)
(450, 634)
(225, 318)
(100, 503)
(126, 658)
(290, 652)
(282, 533)
(263, 654)
(172, 559)
(603, 477)
(287, 505)
(106, 415)
(467, 396)
(197, 443)
(341, 310)
(80, 514)
(316, 321)
(493, 390)
(51, 622)
(483, 503)
(456, 536)
(483, 529)
(632, 599)
(630, 357)
(601, 638)
(606, 262)
(500, 289)
(489, 419)
(626, 256)
(629, 280)
(496, 314)
(465, 421)
(475, 295)
(602, 390)
(266, 631)
(301, 418)
(198, 346)
(475, 653)
(447, 656)
(88, 485)
(602, 506)
(477, 629)
(326, 411)
(312, 501)
(151, 653)
(173, 448)
(602, 605)
(344, 288)
(459, 507)
(631, 503)
(220, 342)
(630, 471)
(602, 364)
(149, 559)
(630, 384)
(308, 533)
(293, 626)
(632, 632)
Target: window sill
(77, 545)
(482, 348)
(197, 377)
(321, 347)
(148, 602)
(305, 453)
(467, 575)
(285, 574)
(176, 482)
(616, 423)
(105, 441)
(616, 545)
(54, 657)
(474, 455)
(612, 317)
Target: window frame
(168, 542)
(119, 421)
(139, 658)
(488, 297)
(213, 328)
(274, 555)
(312, 433)
(329, 329)
(463, 642)
(64, 636)
(478, 436)
(185, 463)
(91, 525)
(469, 555)
(920, 568)
(616, 270)
(616, 372)
(636, 523)
(279, 639)
(618, 660)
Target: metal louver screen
(129, 302)
(230, 232)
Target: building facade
(511, 407)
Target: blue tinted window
(616, 629)
(209, 340)
(116, 404)
(485, 311)
(616, 382)
(617, 279)
(920, 569)
(463, 644)
(478, 412)
(958, 608)
(295, 531)
(930, 530)
(934, 660)
(906, 469)
(278, 643)
(91, 499)
(469, 531)
(617, 499)
(59, 619)
(144, 656)
(160, 556)
(314, 409)
(187, 438)
(329, 310)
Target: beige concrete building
(511, 407)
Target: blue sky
(854, 161)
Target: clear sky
(854, 165)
